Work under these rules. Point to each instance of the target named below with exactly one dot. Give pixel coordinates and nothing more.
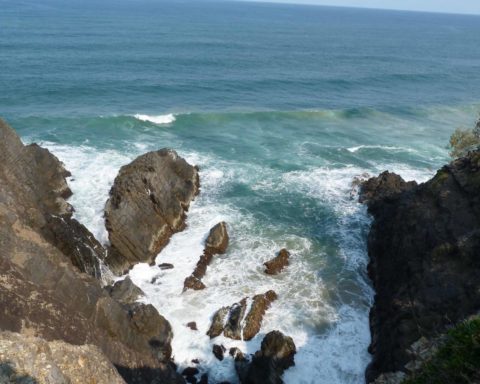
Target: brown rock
(218, 351)
(148, 203)
(217, 243)
(233, 322)
(43, 362)
(253, 320)
(275, 266)
(268, 365)
(164, 266)
(44, 294)
(125, 292)
(192, 325)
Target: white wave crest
(159, 119)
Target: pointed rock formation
(277, 264)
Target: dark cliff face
(48, 284)
(424, 249)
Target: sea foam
(159, 119)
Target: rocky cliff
(424, 249)
(49, 269)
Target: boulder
(423, 247)
(28, 359)
(147, 205)
(216, 243)
(234, 321)
(192, 325)
(218, 351)
(276, 265)
(268, 365)
(125, 292)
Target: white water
(160, 119)
(331, 340)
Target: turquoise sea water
(281, 106)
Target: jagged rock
(386, 185)
(236, 353)
(27, 359)
(267, 366)
(147, 204)
(253, 320)
(125, 292)
(192, 325)
(44, 294)
(218, 322)
(76, 242)
(232, 322)
(218, 351)
(423, 247)
(217, 243)
(276, 265)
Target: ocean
(280, 106)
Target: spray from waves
(159, 119)
(331, 333)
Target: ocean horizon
(281, 106)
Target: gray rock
(147, 204)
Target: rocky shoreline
(424, 247)
(70, 323)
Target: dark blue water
(281, 106)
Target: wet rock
(267, 366)
(276, 265)
(203, 379)
(218, 351)
(194, 283)
(27, 359)
(234, 321)
(253, 320)
(217, 243)
(423, 246)
(125, 292)
(147, 204)
(236, 353)
(218, 322)
(190, 371)
(196, 361)
(192, 325)
(164, 266)
(217, 240)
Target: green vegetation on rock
(464, 140)
(457, 361)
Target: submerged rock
(27, 359)
(234, 324)
(267, 366)
(276, 265)
(147, 204)
(423, 247)
(217, 243)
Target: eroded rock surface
(43, 291)
(277, 354)
(28, 359)
(278, 263)
(216, 243)
(238, 324)
(125, 292)
(424, 247)
(147, 204)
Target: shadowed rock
(268, 365)
(232, 322)
(147, 204)
(219, 351)
(423, 247)
(216, 243)
(276, 265)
